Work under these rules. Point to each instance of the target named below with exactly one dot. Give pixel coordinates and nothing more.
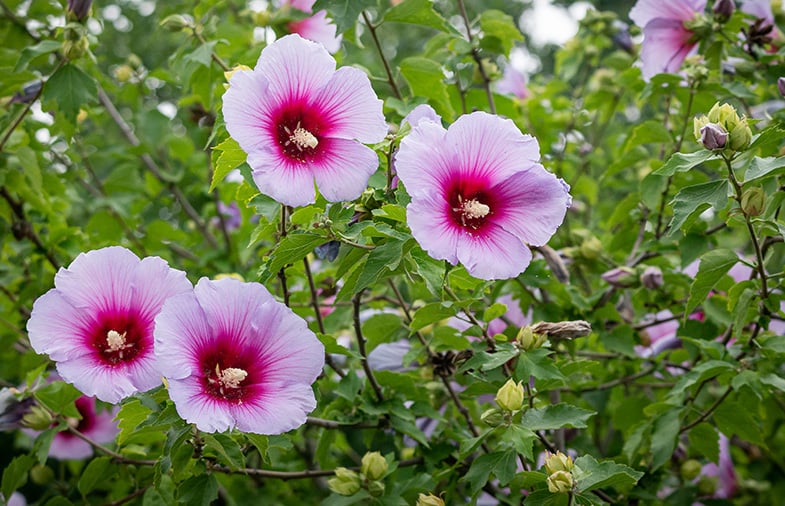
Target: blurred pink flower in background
(100, 427)
(513, 82)
(724, 473)
(316, 28)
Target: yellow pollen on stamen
(115, 340)
(473, 209)
(302, 138)
(231, 377)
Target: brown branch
(390, 79)
(361, 345)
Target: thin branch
(476, 55)
(706, 414)
(331, 424)
(27, 229)
(20, 117)
(282, 272)
(328, 359)
(299, 475)
(361, 345)
(386, 65)
(111, 453)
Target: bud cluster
(373, 467)
(722, 129)
(559, 468)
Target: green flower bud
(41, 474)
(376, 488)
(373, 465)
(345, 482)
(175, 22)
(707, 485)
(753, 200)
(123, 73)
(510, 395)
(560, 482)
(724, 115)
(528, 340)
(74, 49)
(558, 461)
(690, 469)
(740, 136)
(429, 500)
(261, 18)
(591, 248)
(697, 125)
(37, 418)
(493, 417)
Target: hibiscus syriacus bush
(408, 252)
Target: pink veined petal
(493, 254)
(282, 179)
(420, 163)
(433, 228)
(283, 407)
(95, 379)
(247, 110)
(349, 107)
(154, 282)
(422, 112)
(665, 47)
(534, 205)
(57, 328)
(318, 29)
(296, 68)
(489, 148)
(196, 406)
(343, 168)
(67, 447)
(99, 279)
(645, 11)
(181, 331)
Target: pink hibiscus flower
(316, 28)
(235, 357)
(97, 323)
(479, 197)
(666, 40)
(100, 427)
(513, 82)
(301, 120)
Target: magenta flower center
(227, 383)
(470, 212)
(118, 340)
(297, 136)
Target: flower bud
(620, 277)
(528, 340)
(740, 136)
(713, 136)
(707, 485)
(591, 248)
(429, 500)
(79, 10)
(558, 461)
(37, 418)
(652, 277)
(560, 482)
(724, 115)
(345, 482)
(697, 124)
(123, 73)
(493, 417)
(376, 488)
(723, 10)
(12, 410)
(373, 465)
(41, 474)
(690, 469)
(753, 201)
(510, 396)
(175, 22)
(74, 49)
(781, 86)
(261, 18)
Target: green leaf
(418, 12)
(97, 471)
(732, 418)
(199, 490)
(539, 364)
(486, 361)
(15, 474)
(227, 448)
(230, 157)
(28, 53)
(496, 310)
(693, 200)
(761, 167)
(430, 313)
(69, 89)
(501, 464)
(706, 370)
(380, 328)
(704, 440)
(556, 417)
(59, 397)
(665, 436)
(293, 248)
(426, 79)
(131, 414)
(590, 474)
(713, 265)
(682, 162)
(647, 132)
(384, 257)
(431, 270)
(501, 26)
(344, 12)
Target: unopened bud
(41, 474)
(707, 485)
(651, 277)
(510, 396)
(376, 488)
(123, 73)
(753, 201)
(713, 136)
(723, 10)
(175, 22)
(373, 465)
(558, 461)
(429, 500)
(690, 469)
(740, 136)
(528, 340)
(74, 49)
(345, 482)
(591, 248)
(724, 115)
(261, 18)
(79, 10)
(620, 277)
(560, 482)
(37, 418)
(781, 86)
(493, 417)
